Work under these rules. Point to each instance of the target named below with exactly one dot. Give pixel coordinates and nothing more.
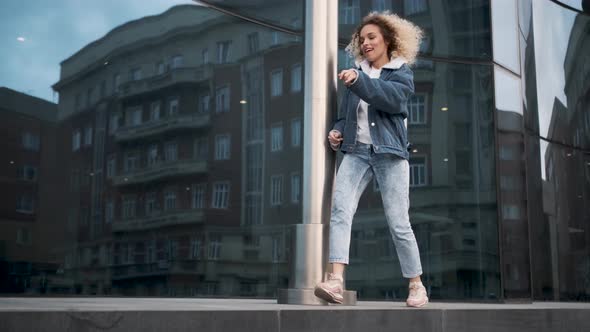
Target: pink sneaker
(417, 297)
(331, 290)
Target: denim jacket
(387, 98)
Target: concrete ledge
(158, 314)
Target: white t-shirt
(363, 134)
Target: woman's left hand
(347, 76)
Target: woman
(371, 132)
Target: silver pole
(309, 245)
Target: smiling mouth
(369, 50)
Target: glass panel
(562, 59)
(505, 33)
(577, 4)
(561, 250)
(156, 173)
(453, 206)
(285, 13)
(457, 28)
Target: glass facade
(157, 150)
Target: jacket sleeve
(387, 96)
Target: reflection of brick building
(177, 167)
(453, 195)
(28, 228)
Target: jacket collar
(395, 63)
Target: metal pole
(309, 245)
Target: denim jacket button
(373, 124)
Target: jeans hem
(338, 260)
(409, 276)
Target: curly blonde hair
(403, 36)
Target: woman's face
(373, 46)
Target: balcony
(169, 78)
(153, 128)
(161, 171)
(159, 220)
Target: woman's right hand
(335, 139)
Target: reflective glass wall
(150, 150)
(557, 126)
(453, 194)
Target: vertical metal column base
(305, 296)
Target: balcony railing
(161, 171)
(169, 78)
(152, 128)
(159, 220)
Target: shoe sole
(328, 296)
(419, 305)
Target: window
(223, 51)
(89, 96)
(214, 247)
(160, 68)
(204, 104)
(201, 148)
(205, 56)
(510, 212)
(253, 44)
(170, 200)
(415, 6)
(295, 188)
(417, 109)
(276, 138)
(155, 111)
(222, 147)
(171, 151)
(130, 162)
(381, 5)
(103, 88)
(173, 106)
(152, 156)
(417, 171)
(28, 173)
(274, 38)
(114, 123)
(296, 132)
(78, 102)
(111, 167)
(276, 83)
(177, 61)
(220, 195)
(150, 203)
(276, 190)
(196, 249)
(128, 207)
(31, 141)
(25, 204)
(507, 153)
(296, 78)
(117, 82)
(199, 195)
(88, 136)
(23, 236)
(151, 251)
(135, 74)
(350, 12)
(76, 140)
(109, 211)
(276, 249)
(222, 99)
(133, 117)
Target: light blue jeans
(392, 174)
